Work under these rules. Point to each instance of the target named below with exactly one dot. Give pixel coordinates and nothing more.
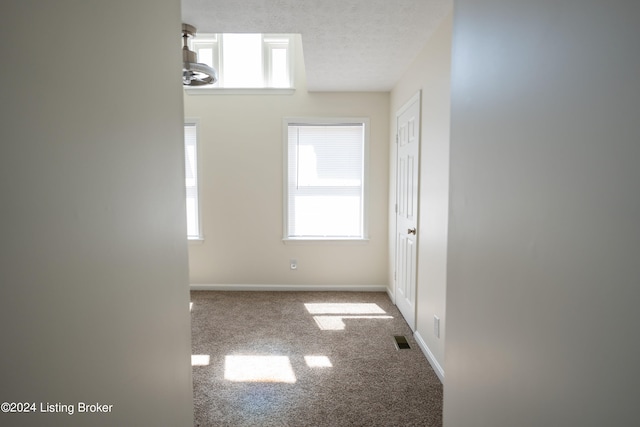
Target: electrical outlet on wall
(293, 264)
(436, 326)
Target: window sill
(237, 91)
(196, 240)
(320, 241)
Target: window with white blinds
(326, 169)
(191, 179)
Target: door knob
(412, 231)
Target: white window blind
(191, 179)
(325, 170)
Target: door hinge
(394, 275)
(396, 208)
(396, 138)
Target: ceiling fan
(193, 72)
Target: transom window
(247, 60)
(326, 179)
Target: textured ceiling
(349, 45)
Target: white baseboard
(391, 293)
(244, 287)
(430, 357)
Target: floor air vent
(401, 342)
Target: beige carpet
(307, 359)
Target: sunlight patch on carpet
(199, 359)
(318, 362)
(344, 308)
(336, 323)
(270, 369)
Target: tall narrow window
(277, 60)
(326, 178)
(191, 180)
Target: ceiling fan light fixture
(193, 72)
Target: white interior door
(408, 146)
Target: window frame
(319, 121)
(195, 122)
(269, 42)
(208, 41)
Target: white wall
(241, 190)
(93, 268)
(543, 278)
(430, 73)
